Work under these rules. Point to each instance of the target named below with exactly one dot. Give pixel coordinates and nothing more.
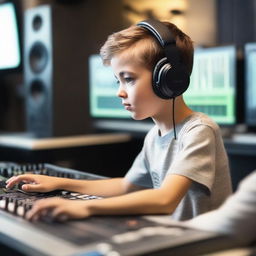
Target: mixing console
(8, 170)
(18, 202)
(98, 235)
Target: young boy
(182, 169)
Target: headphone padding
(168, 82)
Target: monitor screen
(250, 84)
(104, 102)
(10, 56)
(212, 88)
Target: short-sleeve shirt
(198, 153)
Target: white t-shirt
(198, 153)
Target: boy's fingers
(28, 187)
(41, 206)
(31, 214)
(34, 213)
(59, 213)
(11, 182)
(10, 179)
(17, 179)
(33, 188)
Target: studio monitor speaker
(55, 63)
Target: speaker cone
(38, 57)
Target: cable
(173, 118)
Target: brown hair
(150, 51)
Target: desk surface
(104, 235)
(30, 143)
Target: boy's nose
(121, 93)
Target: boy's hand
(58, 209)
(34, 182)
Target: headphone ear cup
(168, 81)
(158, 83)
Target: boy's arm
(148, 201)
(103, 187)
(43, 183)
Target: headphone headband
(161, 32)
(165, 37)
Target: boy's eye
(128, 79)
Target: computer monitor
(250, 84)
(10, 46)
(212, 88)
(104, 102)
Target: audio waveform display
(212, 87)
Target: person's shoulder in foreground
(236, 216)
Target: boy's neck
(182, 111)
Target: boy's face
(135, 87)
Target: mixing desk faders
(18, 202)
(95, 236)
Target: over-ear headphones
(170, 75)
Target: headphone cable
(173, 118)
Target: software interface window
(212, 88)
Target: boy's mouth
(127, 106)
